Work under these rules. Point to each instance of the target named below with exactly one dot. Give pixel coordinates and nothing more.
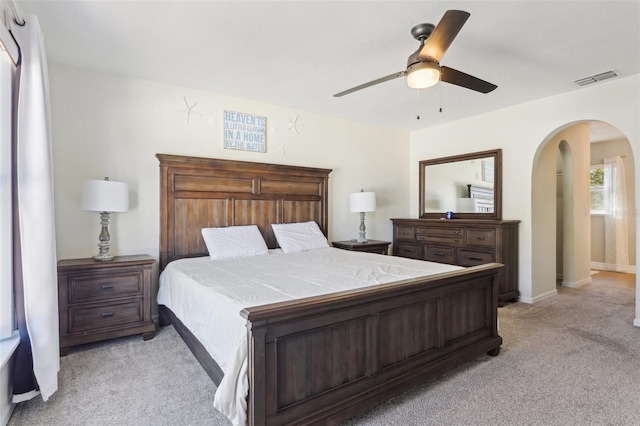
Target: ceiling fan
(423, 66)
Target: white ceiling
(298, 53)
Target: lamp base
(363, 230)
(104, 237)
(103, 257)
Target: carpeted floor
(570, 360)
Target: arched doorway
(562, 234)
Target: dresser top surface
(454, 221)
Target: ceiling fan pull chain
(418, 104)
(440, 93)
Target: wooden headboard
(198, 193)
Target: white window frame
(7, 311)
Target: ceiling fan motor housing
(421, 32)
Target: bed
(382, 340)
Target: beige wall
(522, 132)
(599, 151)
(110, 125)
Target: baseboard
(601, 266)
(539, 297)
(576, 284)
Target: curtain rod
(17, 16)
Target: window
(7, 78)
(598, 191)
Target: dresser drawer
(443, 232)
(442, 240)
(481, 237)
(440, 254)
(407, 233)
(83, 288)
(83, 318)
(412, 251)
(473, 258)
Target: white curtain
(616, 257)
(34, 227)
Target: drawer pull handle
(438, 253)
(479, 238)
(405, 232)
(107, 314)
(456, 232)
(106, 286)
(408, 250)
(475, 258)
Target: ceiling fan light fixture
(423, 74)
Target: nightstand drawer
(481, 237)
(83, 318)
(409, 250)
(83, 288)
(473, 258)
(440, 254)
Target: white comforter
(208, 295)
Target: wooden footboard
(324, 359)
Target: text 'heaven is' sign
(245, 131)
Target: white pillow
(301, 236)
(234, 241)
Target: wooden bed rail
(323, 359)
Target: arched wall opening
(560, 203)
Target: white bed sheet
(208, 295)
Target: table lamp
(105, 196)
(361, 202)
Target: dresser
(104, 300)
(463, 242)
(370, 246)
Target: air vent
(595, 78)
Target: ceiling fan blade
(444, 33)
(449, 75)
(371, 83)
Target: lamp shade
(105, 196)
(362, 202)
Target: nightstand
(371, 246)
(104, 300)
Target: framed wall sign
(245, 131)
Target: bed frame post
(256, 370)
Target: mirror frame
(496, 154)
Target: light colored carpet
(570, 360)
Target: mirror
(469, 185)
